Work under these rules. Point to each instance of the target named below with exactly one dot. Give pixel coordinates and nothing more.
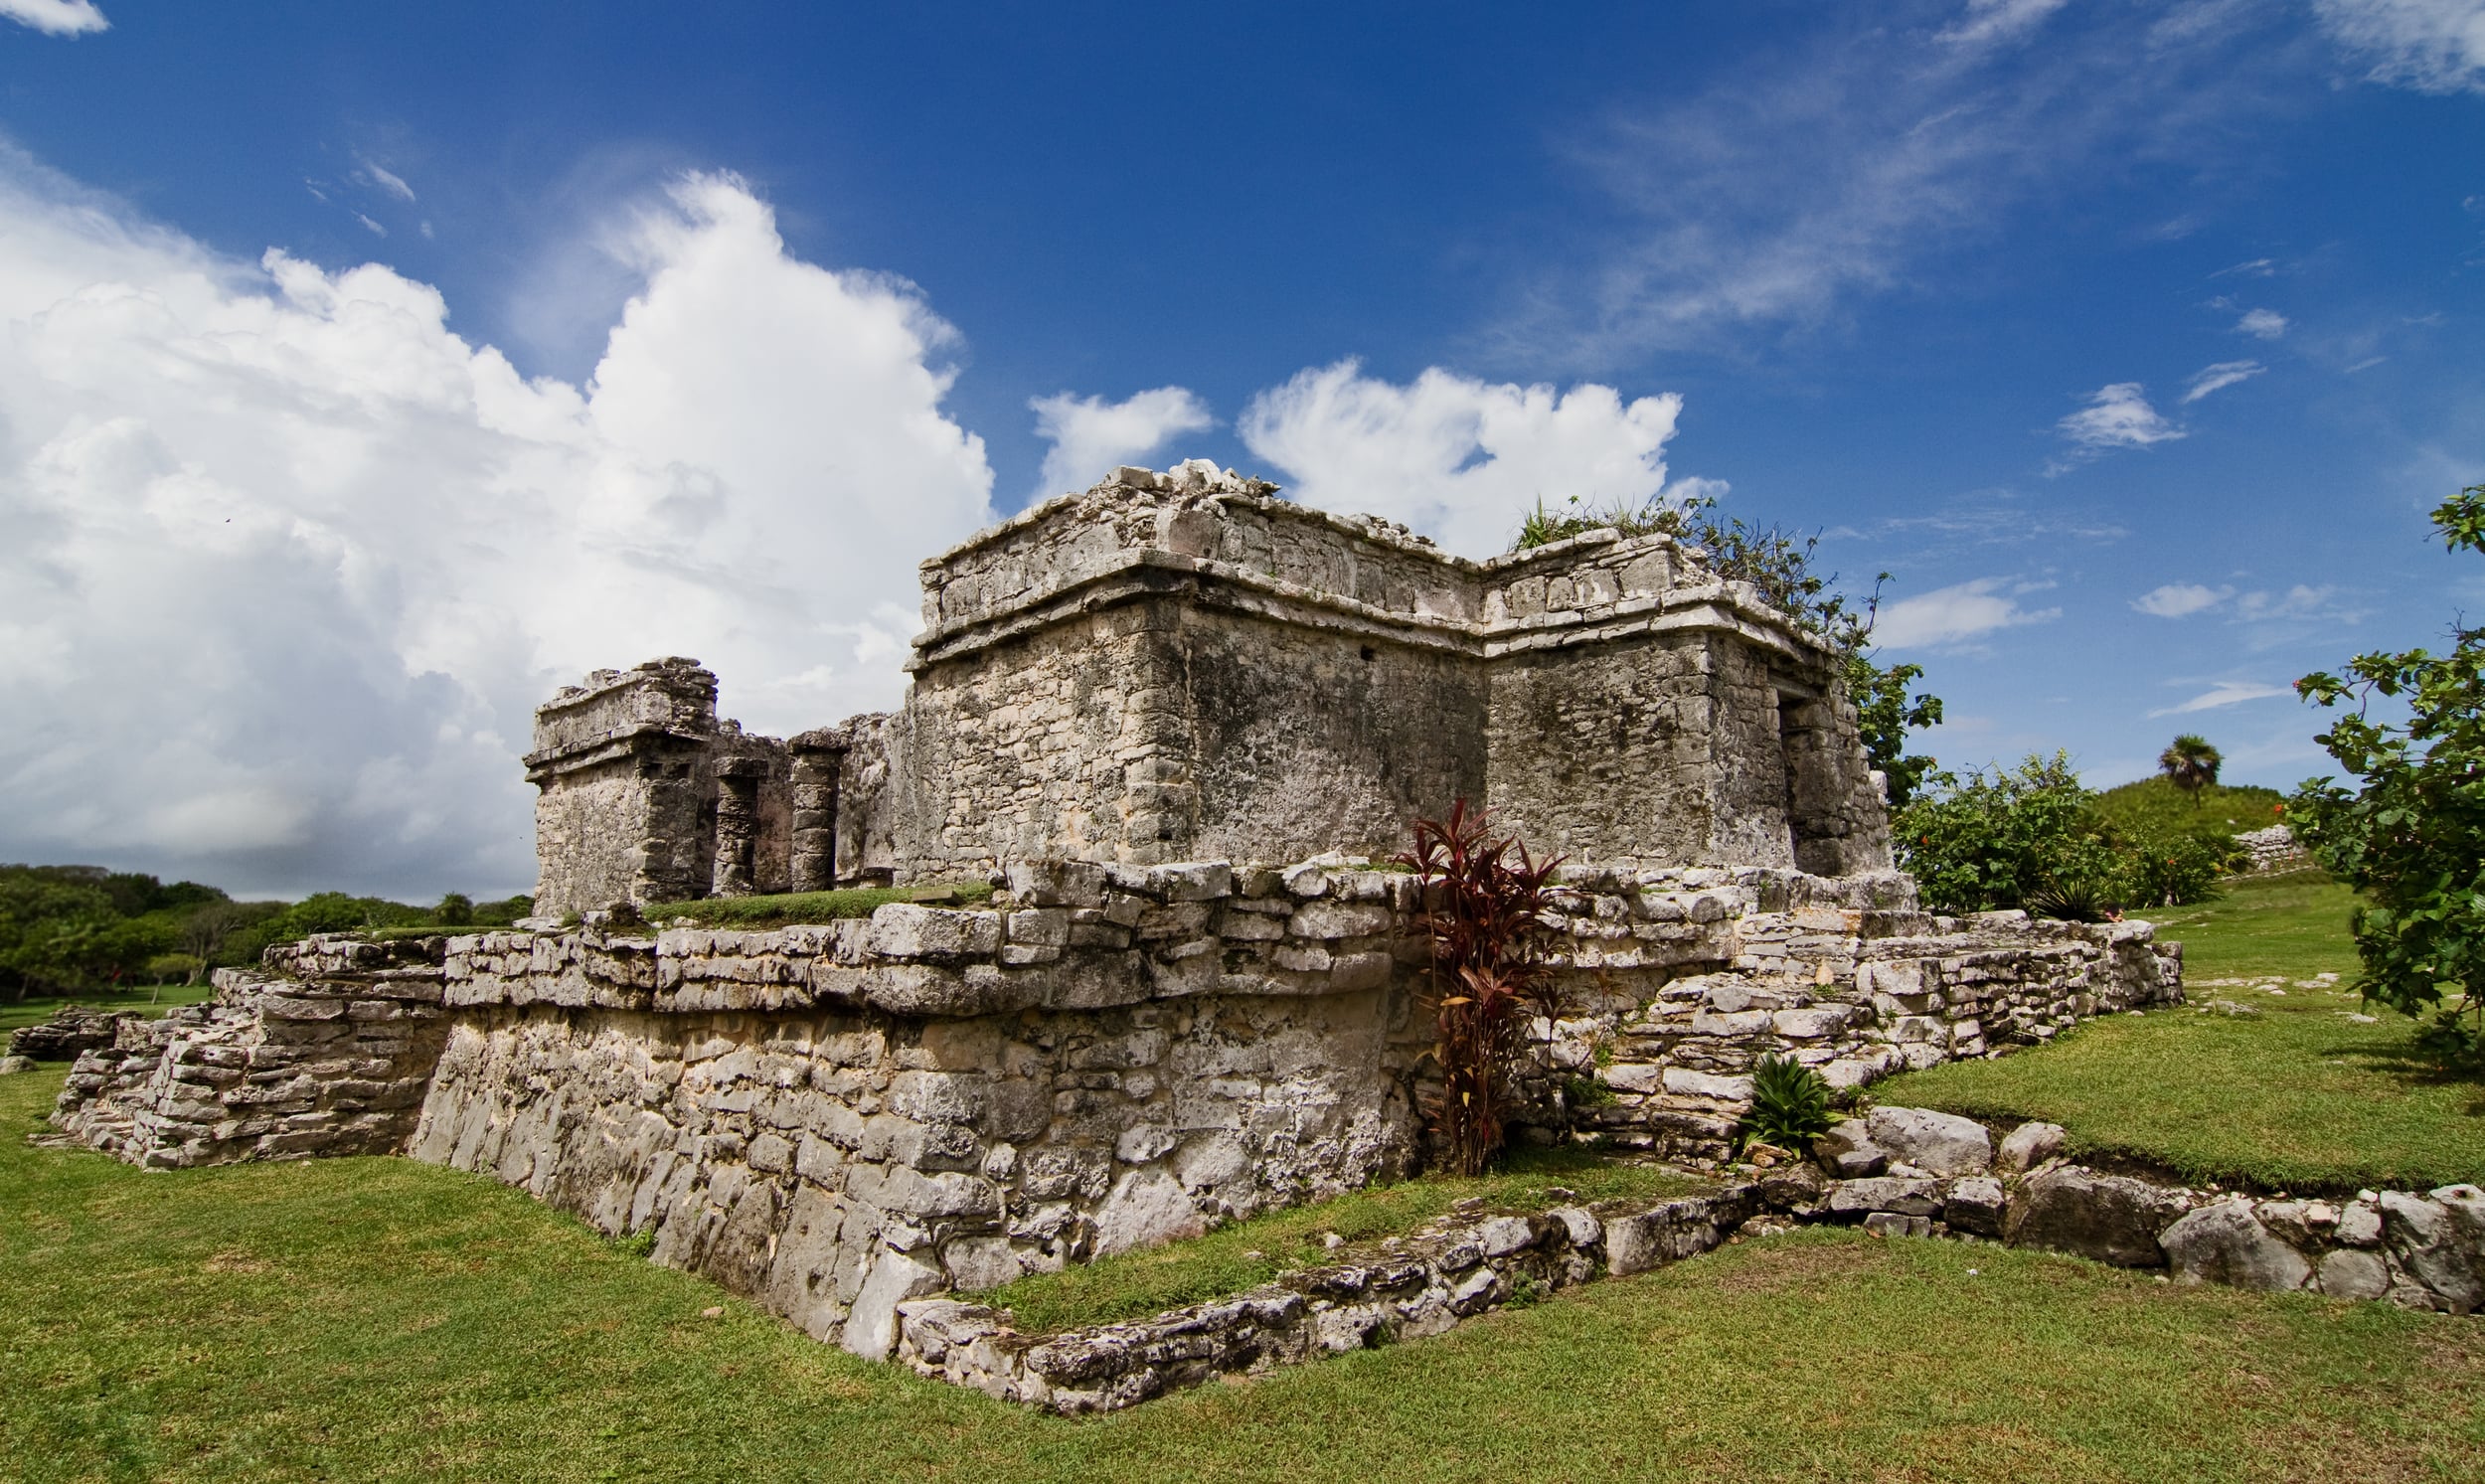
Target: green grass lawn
(374, 1319)
(806, 906)
(1249, 1254)
(2297, 1096)
(146, 999)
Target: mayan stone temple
(1179, 726)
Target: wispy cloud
(2259, 267)
(2264, 324)
(2219, 377)
(1837, 167)
(1950, 617)
(380, 178)
(2224, 692)
(1989, 21)
(55, 17)
(2180, 599)
(2432, 46)
(374, 228)
(2299, 603)
(2116, 417)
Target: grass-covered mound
(376, 1319)
(2294, 1095)
(2156, 804)
(811, 907)
(1245, 1254)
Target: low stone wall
(1403, 1290)
(73, 1031)
(330, 1050)
(836, 1118)
(1925, 1173)
(1932, 1175)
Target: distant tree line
(79, 929)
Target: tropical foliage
(2034, 837)
(1484, 906)
(2409, 834)
(2191, 764)
(78, 929)
(1789, 1105)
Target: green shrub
(2034, 837)
(2411, 835)
(1789, 1105)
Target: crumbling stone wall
(839, 1117)
(328, 1050)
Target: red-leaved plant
(1484, 904)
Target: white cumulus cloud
(2180, 599)
(1460, 459)
(2224, 692)
(2261, 324)
(285, 564)
(2432, 46)
(55, 17)
(1091, 436)
(1954, 615)
(2219, 377)
(2117, 417)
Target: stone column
(737, 824)
(818, 758)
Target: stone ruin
(1182, 666)
(1175, 722)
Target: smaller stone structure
(71, 1031)
(2272, 849)
(328, 1050)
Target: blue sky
(2133, 339)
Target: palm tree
(2192, 764)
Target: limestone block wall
(1179, 726)
(836, 1118)
(1645, 712)
(329, 1050)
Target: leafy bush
(1484, 904)
(2168, 868)
(1997, 839)
(2411, 835)
(1789, 1103)
(2034, 837)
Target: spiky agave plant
(1484, 902)
(1789, 1103)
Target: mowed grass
(376, 1319)
(149, 1000)
(1247, 1253)
(809, 906)
(2297, 1096)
